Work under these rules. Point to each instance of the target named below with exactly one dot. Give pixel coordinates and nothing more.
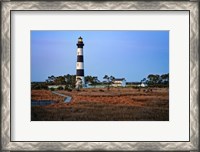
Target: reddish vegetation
(45, 95)
(99, 104)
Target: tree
(165, 78)
(39, 85)
(143, 80)
(60, 80)
(50, 79)
(92, 80)
(153, 79)
(88, 79)
(109, 80)
(158, 80)
(70, 81)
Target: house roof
(118, 79)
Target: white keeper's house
(55, 86)
(119, 82)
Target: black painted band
(79, 58)
(80, 45)
(80, 72)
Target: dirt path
(67, 98)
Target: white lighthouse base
(80, 82)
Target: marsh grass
(93, 105)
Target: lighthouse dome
(80, 43)
(80, 39)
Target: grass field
(117, 104)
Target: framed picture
(109, 75)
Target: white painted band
(80, 51)
(79, 65)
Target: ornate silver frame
(7, 6)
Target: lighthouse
(80, 81)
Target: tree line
(68, 80)
(155, 80)
(152, 80)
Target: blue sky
(132, 55)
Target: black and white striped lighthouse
(79, 65)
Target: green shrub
(52, 89)
(60, 88)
